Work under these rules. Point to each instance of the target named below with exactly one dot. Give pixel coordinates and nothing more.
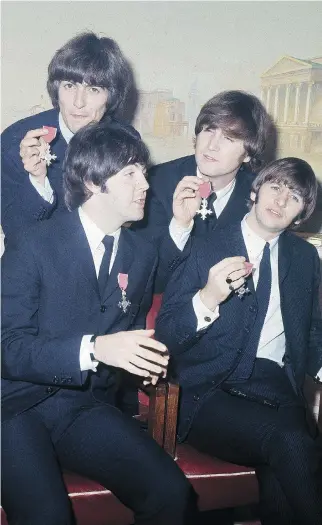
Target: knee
(43, 512)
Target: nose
(80, 97)
(282, 199)
(142, 183)
(214, 140)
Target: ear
(253, 196)
(93, 188)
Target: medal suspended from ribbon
(243, 289)
(45, 153)
(123, 280)
(205, 191)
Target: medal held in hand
(45, 153)
(243, 289)
(123, 280)
(204, 190)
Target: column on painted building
(308, 102)
(287, 102)
(275, 115)
(297, 102)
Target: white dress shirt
(94, 236)
(180, 235)
(46, 191)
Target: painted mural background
(182, 53)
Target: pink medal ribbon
(243, 289)
(204, 190)
(123, 281)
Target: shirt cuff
(46, 191)
(205, 317)
(319, 375)
(178, 234)
(86, 349)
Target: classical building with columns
(291, 90)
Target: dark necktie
(108, 241)
(263, 292)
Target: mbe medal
(45, 153)
(204, 190)
(123, 280)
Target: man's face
(276, 208)
(126, 193)
(81, 104)
(217, 154)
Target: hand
(30, 151)
(186, 200)
(217, 289)
(134, 351)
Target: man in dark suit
(242, 342)
(76, 291)
(231, 131)
(87, 78)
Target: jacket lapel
(236, 207)
(122, 264)
(76, 248)
(285, 251)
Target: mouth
(274, 212)
(80, 117)
(210, 158)
(140, 202)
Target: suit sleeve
(155, 228)
(27, 353)
(21, 203)
(176, 324)
(315, 341)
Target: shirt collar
(65, 131)
(251, 237)
(93, 233)
(223, 192)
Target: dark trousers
(98, 442)
(276, 441)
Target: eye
(226, 137)
(68, 85)
(296, 197)
(275, 187)
(94, 89)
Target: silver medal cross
(204, 211)
(124, 304)
(47, 156)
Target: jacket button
(49, 390)
(247, 330)
(55, 380)
(103, 308)
(196, 397)
(252, 309)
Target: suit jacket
(21, 203)
(203, 360)
(51, 299)
(163, 180)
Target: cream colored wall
(191, 49)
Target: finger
(40, 132)
(225, 263)
(153, 357)
(236, 284)
(26, 143)
(234, 276)
(151, 344)
(33, 164)
(135, 370)
(144, 333)
(146, 365)
(232, 268)
(192, 186)
(30, 151)
(187, 194)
